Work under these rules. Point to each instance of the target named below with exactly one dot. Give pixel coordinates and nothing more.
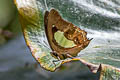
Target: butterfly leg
(70, 56)
(54, 54)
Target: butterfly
(53, 22)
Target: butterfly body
(53, 22)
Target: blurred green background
(9, 24)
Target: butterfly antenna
(46, 5)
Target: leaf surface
(102, 50)
(31, 18)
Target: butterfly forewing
(53, 22)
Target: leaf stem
(93, 68)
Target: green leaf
(109, 73)
(104, 48)
(31, 18)
(100, 51)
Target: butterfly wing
(53, 22)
